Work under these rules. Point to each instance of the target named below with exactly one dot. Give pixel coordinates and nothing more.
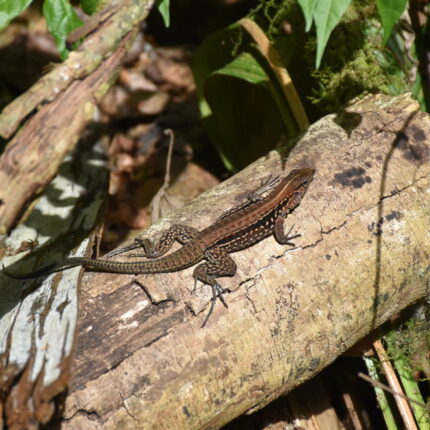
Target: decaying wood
(70, 93)
(80, 63)
(47, 137)
(38, 320)
(142, 360)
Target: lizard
(237, 229)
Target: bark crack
(124, 404)
(152, 299)
(366, 208)
(91, 415)
(380, 130)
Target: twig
(388, 389)
(162, 191)
(404, 407)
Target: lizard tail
(67, 263)
(44, 271)
(163, 265)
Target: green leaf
(61, 19)
(244, 120)
(390, 11)
(164, 9)
(9, 9)
(247, 67)
(327, 14)
(242, 104)
(89, 6)
(308, 9)
(244, 67)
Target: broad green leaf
(244, 67)
(9, 9)
(241, 101)
(245, 122)
(308, 9)
(214, 53)
(61, 19)
(164, 9)
(327, 14)
(289, 103)
(390, 11)
(89, 6)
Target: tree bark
(38, 316)
(69, 94)
(143, 361)
(38, 321)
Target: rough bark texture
(142, 360)
(121, 17)
(73, 90)
(37, 321)
(38, 317)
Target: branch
(70, 93)
(142, 358)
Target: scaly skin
(239, 229)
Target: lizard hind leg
(219, 263)
(180, 233)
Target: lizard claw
(122, 250)
(270, 181)
(217, 291)
(266, 185)
(195, 286)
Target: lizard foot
(217, 291)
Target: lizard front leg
(279, 232)
(253, 197)
(219, 263)
(267, 185)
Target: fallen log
(141, 358)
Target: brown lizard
(234, 231)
